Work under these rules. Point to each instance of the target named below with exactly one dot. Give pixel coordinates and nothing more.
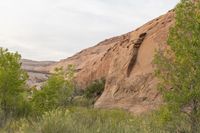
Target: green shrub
(56, 92)
(95, 89)
(81, 101)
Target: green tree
(12, 85)
(56, 92)
(178, 67)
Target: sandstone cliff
(126, 64)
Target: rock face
(126, 64)
(36, 71)
(131, 84)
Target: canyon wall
(126, 63)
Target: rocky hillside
(126, 64)
(36, 75)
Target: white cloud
(55, 29)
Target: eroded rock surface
(132, 85)
(126, 64)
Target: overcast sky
(56, 29)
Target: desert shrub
(88, 96)
(81, 101)
(95, 89)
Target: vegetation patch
(95, 89)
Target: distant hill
(36, 75)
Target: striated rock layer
(37, 71)
(126, 64)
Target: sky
(57, 29)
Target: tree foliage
(178, 67)
(12, 85)
(56, 92)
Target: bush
(81, 101)
(95, 89)
(56, 92)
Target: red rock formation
(126, 63)
(131, 84)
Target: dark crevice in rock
(136, 47)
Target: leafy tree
(56, 92)
(178, 67)
(12, 85)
